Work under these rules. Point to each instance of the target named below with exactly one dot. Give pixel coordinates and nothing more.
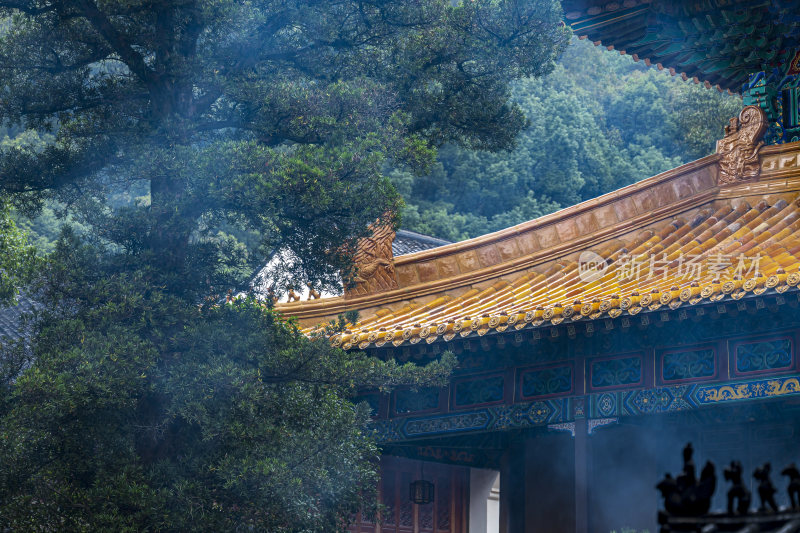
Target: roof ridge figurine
(738, 491)
(794, 485)
(766, 490)
(686, 495)
(373, 261)
(739, 148)
(688, 499)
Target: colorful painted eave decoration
(603, 408)
(717, 42)
(735, 249)
(725, 227)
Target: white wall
(493, 508)
(484, 501)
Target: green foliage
(143, 413)
(24, 140)
(190, 138)
(273, 118)
(598, 122)
(702, 116)
(44, 228)
(17, 257)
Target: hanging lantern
(421, 492)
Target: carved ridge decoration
(374, 262)
(740, 147)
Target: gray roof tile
(408, 242)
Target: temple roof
(725, 249)
(408, 242)
(719, 42)
(722, 227)
(10, 326)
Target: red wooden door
(445, 515)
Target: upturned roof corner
(740, 205)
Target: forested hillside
(599, 122)
(135, 401)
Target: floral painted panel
(546, 381)
(691, 364)
(479, 391)
(763, 356)
(409, 401)
(620, 371)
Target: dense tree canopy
(17, 257)
(139, 413)
(142, 401)
(597, 123)
(240, 111)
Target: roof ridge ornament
(373, 261)
(740, 147)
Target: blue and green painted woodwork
(547, 381)
(762, 356)
(752, 47)
(717, 41)
(615, 372)
(601, 405)
(790, 101)
(478, 390)
(777, 95)
(687, 365)
(411, 401)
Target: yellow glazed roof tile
(735, 248)
(723, 226)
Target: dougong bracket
(777, 93)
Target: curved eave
(615, 213)
(680, 213)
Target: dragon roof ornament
(740, 147)
(374, 262)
